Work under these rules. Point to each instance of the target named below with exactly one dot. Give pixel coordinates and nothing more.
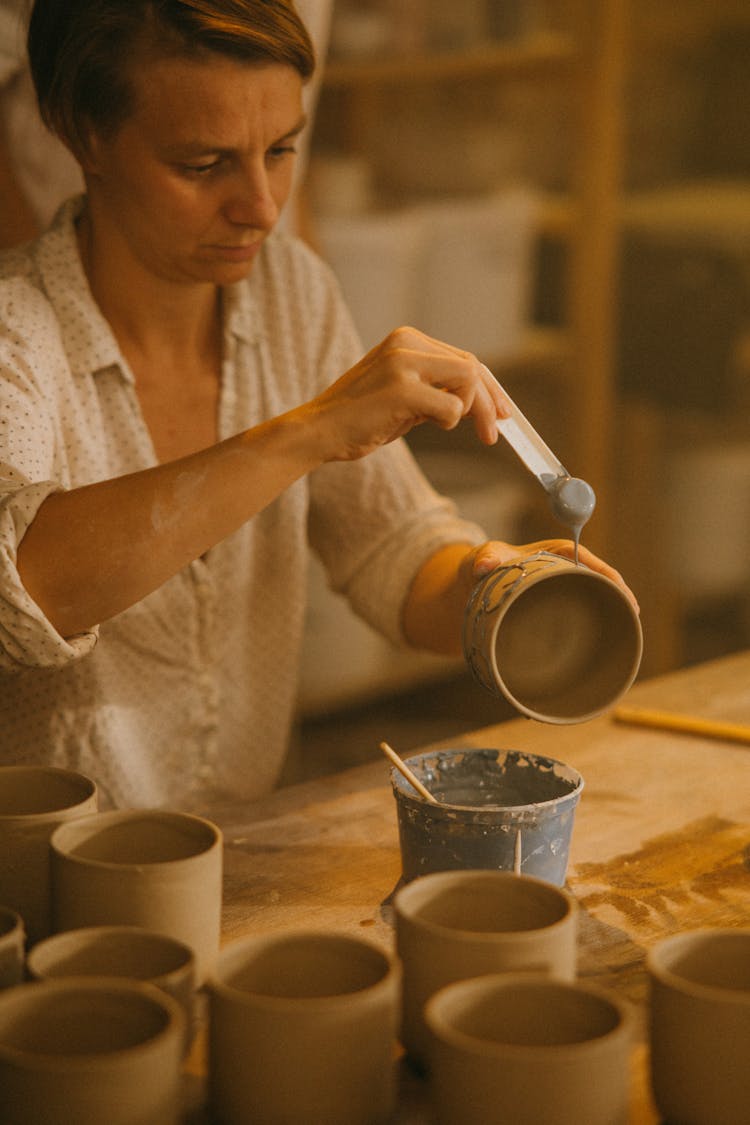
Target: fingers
(459, 373)
(496, 553)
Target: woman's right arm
(91, 552)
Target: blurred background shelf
(539, 50)
(624, 123)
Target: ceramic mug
(12, 947)
(118, 951)
(313, 1018)
(559, 641)
(90, 1052)
(520, 1049)
(155, 869)
(700, 1026)
(34, 800)
(456, 924)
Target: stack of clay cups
(122, 911)
(493, 1011)
(482, 992)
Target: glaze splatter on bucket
(497, 810)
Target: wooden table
(661, 842)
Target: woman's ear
(85, 149)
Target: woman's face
(195, 178)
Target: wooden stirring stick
(407, 773)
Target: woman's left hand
(481, 560)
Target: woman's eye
(201, 169)
(279, 151)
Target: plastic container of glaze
(502, 810)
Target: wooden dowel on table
(685, 724)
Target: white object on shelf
(460, 271)
(344, 661)
(340, 184)
(707, 515)
(478, 272)
(377, 260)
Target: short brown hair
(80, 50)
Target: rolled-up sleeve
(29, 472)
(374, 523)
(27, 638)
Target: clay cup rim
(87, 841)
(416, 896)
(669, 964)
(51, 997)
(63, 955)
(615, 1014)
(239, 960)
(72, 791)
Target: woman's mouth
(241, 252)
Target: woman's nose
(252, 203)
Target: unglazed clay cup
(34, 800)
(12, 947)
(519, 1049)
(457, 924)
(560, 642)
(700, 1026)
(155, 869)
(118, 951)
(95, 1052)
(303, 1028)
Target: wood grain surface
(661, 842)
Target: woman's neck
(148, 314)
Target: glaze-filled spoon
(571, 499)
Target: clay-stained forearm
(94, 551)
(435, 604)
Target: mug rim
(662, 973)
(413, 888)
(224, 989)
(46, 771)
(58, 1062)
(153, 937)
(64, 836)
(470, 1044)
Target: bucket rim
(403, 791)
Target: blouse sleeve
(27, 478)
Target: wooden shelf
(582, 63)
(557, 216)
(543, 350)
(489, 59)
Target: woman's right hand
(407, 379)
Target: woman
(174, 425)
